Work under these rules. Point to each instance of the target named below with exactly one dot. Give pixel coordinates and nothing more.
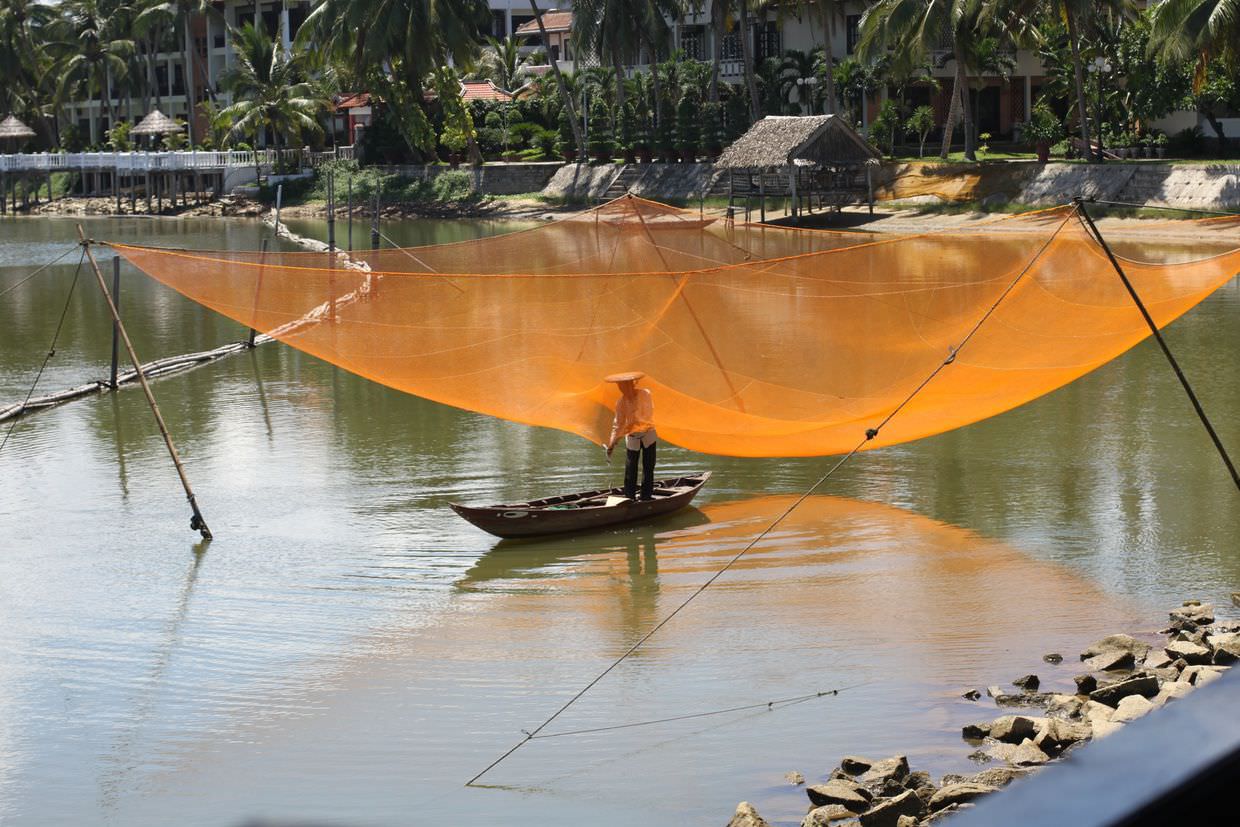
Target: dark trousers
(630, 472)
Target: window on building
(732, 46)
(769, 43)
(178, 80)
(693, 42)
(245, 15)
(271, 19)
(217, 41)
(296, 16)
(555, 52)
(852, 32)
(499, 24)
(161, 79)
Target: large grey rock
(997, 776)
(1172, 691)
(1112, 661)
(1201, 614)
(906, 821)
(1201, 675)
(1226, 648)
(1056, 735)
(1189, 652)
(1012, 728)
(747, 816)
(959, 794)
(845, 793)
(1068, 706)
(1130, 709)
(887, 812)
(1027, 755)
(855, 764)
(1112, 694)
(1157, 659)
(1027, 682)
(1024, 699)
(945, 813)
(830, 814)
(975, 732)
(1085, 684)
(1112, 643)
(893, 769)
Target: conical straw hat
(629, 376)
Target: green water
(348, 651)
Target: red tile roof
(352, 100)
(473, 90)
(553, 21)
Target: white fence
(164, 161)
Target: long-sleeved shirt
(633, 415)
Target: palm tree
(798, 66)
(566, 98)
(1196, 29)
(502, 63)
(915, 29)
(751, 80)
(169, 14)
(24, 59)
(614, 30)
(395, 45)
(829, 13)
(270, 91)
(89, 56)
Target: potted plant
(1043, 130)
(644, 151)
(454, 140)
(1160, 144)
(628, 134)
(599, 143)
(687, 128)
(664, 133)
(711, 138)
(566, 144)
(1147, 145)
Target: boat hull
(581, 511)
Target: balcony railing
(164, 161)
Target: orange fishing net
(756, 340)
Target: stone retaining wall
(492, 179)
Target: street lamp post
(1098, 67)
(805, 86)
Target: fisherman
(635, 422)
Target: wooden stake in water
(116, 325)
(331, 212)
(349, 190)
(279, 200)
(197, 523)
(374, 224)
(262, 259)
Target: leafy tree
(170, 15)
(503, 64)
(886, 126)
(600, 143)
(270, 91)
(920, 123)
(89, 54)
(687, 128)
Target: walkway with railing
(172, 161)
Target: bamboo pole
(197, 523)
(116, 325)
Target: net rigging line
(51, 349)
(16, 285)
(870, 434)
(771, 705)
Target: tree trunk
(189, 83)
(828, 99)
(962, 76)
(718, 12)
(751, 83)
(1079, 76)
(566, 100)
(618, 67)
(953, 113)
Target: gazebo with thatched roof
(11, 129)
(156, 123)
(814, 160)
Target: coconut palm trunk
(751, 82)
(717, 19)
(966, 114)
(617, 65)
(1078, 72)
(828, 56)
(189, 82)
(566, 100)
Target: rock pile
(1125, 678)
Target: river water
(349, 651)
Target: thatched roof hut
(156, 123)
(816, 161)
(12, 128)
(779, 141)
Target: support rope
(51, 349)
(870, 434)
(1092, 228)
(13, 287)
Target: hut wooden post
(4, 194)
(197, 523)
(792, 185)
(761, 196)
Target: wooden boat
(583, 511)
